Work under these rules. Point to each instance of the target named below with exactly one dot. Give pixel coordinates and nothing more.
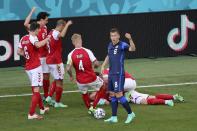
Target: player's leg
(101, 90)
(46, 77)
(59, 91)
(34, 76)
(119, 88)
(34, 102)
(37, 77)
(83, 88)
(114, 102)
(53, 85)
(152, 100)
(59, 76)
(176, 97)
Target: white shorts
(96, 85)
(129, 84)
(57, 71)
(137, 97)
(45, 67)
(35, 76)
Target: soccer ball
(99, 113)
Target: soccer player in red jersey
(28, 47)
(82, 60)
(42, 20)
(54, 60)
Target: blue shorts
(116, 83)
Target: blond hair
(75, 36)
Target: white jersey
(136, 97)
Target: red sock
(41, 105)
(99, 95)
(34, 102)
(86, 100)
(58, 91)
(164, 96)
(52, 88)
(46, 84)
(155, 101)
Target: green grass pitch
(181, 117)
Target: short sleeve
(33, 39)
(91, 55)
(125, 46)
(19, 44)
(55, 34)
(69, 59)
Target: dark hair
(60, 22)
(34, 26)
(114, 30)
(42, 15)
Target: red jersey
(81, 59)
(127, 75)
(42, 34)
(30, 51)
(54, 49)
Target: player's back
(82, 59)
(30, 52)
(42, 34)
(54, 55)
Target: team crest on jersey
(80, 56)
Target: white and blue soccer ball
(99, 113)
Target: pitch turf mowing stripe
(74, 91)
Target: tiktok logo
(182, 44)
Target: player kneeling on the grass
(115, 58)
(54, 60)
(82, 60)
(28, 48)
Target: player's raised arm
(63, 32)
(106, 61)
(28, 18)
(132, 45)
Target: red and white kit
(54, 57)
(130, 83)
(81, 59)
(32, 65)
(43, 51)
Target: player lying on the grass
(82, 60)
(42, 20)
(135, 97)
(28, 48)
(115, 58)
(54, 61)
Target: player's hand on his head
(128, 36)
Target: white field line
(74, 91)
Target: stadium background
(148, 23)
